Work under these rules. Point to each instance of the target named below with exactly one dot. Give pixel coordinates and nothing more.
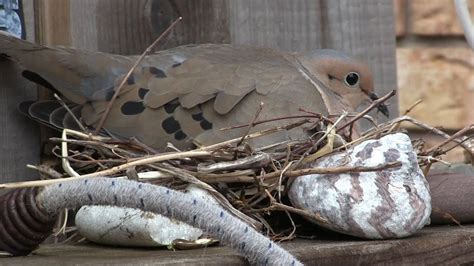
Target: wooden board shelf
(433, 245)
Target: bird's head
(346, 77)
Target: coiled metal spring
(23, 225)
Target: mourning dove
(185, 95)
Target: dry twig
(148, 50)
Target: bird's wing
(177, 95)
(200, 89)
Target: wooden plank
(433, 245)
(113, 26)
(205, 21)
(287, 25)
(19, 139)
(122, 26)
(83, 15)
(19, 136)
(53, 22)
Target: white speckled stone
(111, 225)
(392, 203)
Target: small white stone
(121, 226)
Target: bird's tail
(76, 74)
(52, 113)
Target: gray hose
(212, 219)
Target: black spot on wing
(171, 106)
(33, 77)
(157, 72)
(131, 79)
(198, 117)
(204, 123)
(142, 92)
(176, 64)
(4, 57)
(180, 135)
(170, 125)
(132, 108)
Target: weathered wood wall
(362, 28)
(19, 137)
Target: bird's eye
(352, 79)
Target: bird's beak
(381, 107)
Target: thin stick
(248, 162)
(274, 205)
(45, 170)
(333, 170)
(64, 156)
(254, 135)
(471, 153)
(111, 171)
(124, 80)
(407, 111)
(252, 124)
(368, 109)
(64, 105)
(449, 139)
(270, 120)
(389, 124)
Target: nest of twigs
(249, 183)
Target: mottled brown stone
(443, 79)
(435, 17)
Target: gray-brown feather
(209, 87)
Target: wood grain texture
(435, 245)
(19, 136)
(83, 30)
(19, 140)
(53, 22)
(122, 26)
(287, 25)
(204, 21)
(113, 26)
